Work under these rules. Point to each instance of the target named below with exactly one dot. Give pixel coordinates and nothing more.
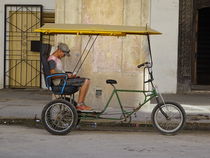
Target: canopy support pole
(85, 55)
(150, 51)
(82, 53)
(150, 67)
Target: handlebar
(148, 66)
(143, 64)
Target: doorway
(194, 46)
(203, 47)
(21, 61)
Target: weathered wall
(164, 18)
(111, 57)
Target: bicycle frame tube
(126, 114)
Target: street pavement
(27, 104)
(24, 142)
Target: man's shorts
(72, 85)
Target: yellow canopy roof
(92, 29)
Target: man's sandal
(82, 106)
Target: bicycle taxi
(60, 116)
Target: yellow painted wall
(111, 57)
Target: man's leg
(83, 91)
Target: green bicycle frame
(148, 95)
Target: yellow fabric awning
(93, 29)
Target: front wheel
(59, 117)
(168, 117)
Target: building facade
(180, 54)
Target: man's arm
(52, 66)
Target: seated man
(73, 83)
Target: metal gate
(21, 46)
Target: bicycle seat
(111, 81)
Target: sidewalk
(21, 104)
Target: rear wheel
(59, 117)
(168, 118)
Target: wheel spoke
(175, 120)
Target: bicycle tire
(60, 120)
(175, 121)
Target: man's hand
(70, 75)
